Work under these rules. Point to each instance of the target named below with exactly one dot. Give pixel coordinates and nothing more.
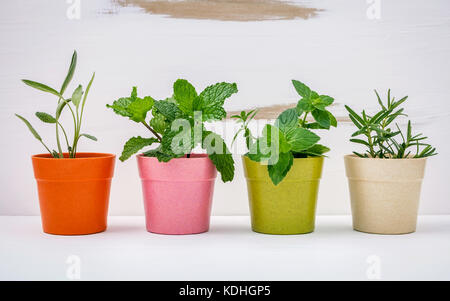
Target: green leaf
(76, 96)
(301, 139)
(42, 87)
(139, 108)
(120, 106)
(270, 134)
(87, 91)
(305, 105)
(360, 141)
(70, 73)
(184, 93)
(89, 137)
(44, 117)
(288, 120)
(159, 154)
(132, 107)
(322, 118)
(134, 145)
(60, 108)
(316, 150)
(333, 121)
(302, 89)
(314, 126)
(168, 109)
(158, 122)
(223, 161)
(212, 99)
(279, 170)
(379, 100)
(30, 127)
(174, 149)
(324, 101)
(355, 117)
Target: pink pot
(177, 194)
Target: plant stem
(58, 143)
(369, 140)
(46, 147)
(304, 119)
(65, 136)
(152, 130)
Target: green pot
(289, 207)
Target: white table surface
(230, 251)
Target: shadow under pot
(290, 206)
(384, 193)
(74, 192)
(177, 194)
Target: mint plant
(177, 124)
(76, 106)
(380, 140)
(291, 136)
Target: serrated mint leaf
(219, 154)
(134, 145)
(279, 170)
(167, 109)
(212, 100)
(158, 122)
(324, 101)
(322, 118)
(120, 106)
(159, 154)
(184, 94)
(304, 105)
(302, 89)
(301, 139)
(133, 107)
(139, 107)
(133, 95)
(44, 117)
(177, 143)
(287, 120)
(316, 150)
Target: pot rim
(353, 156)
(91, 156)
(197, 157)
(308, 158)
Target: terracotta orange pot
(74, 193)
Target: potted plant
(283, 166)
(178, 184)
(73, 187)
(385, 180)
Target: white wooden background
(340, 52)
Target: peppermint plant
(75, 104)
(177, 124)
(382, 140)
(291, 136)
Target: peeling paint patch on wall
(223, 10)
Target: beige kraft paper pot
(384, 193)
